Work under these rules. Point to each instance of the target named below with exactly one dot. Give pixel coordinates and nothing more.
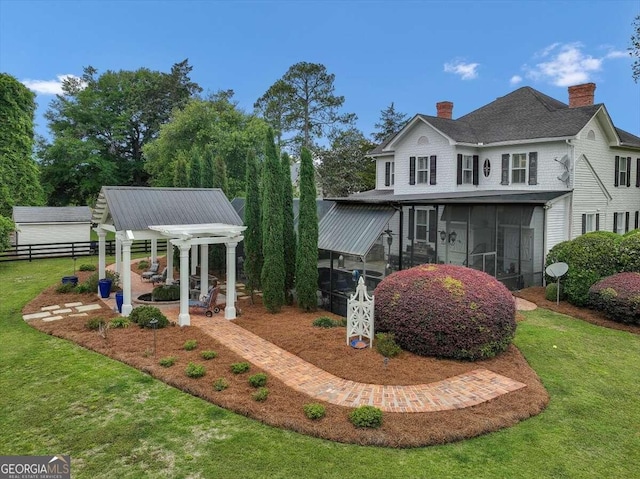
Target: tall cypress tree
(272, 278)
(207, 169)
(288, 231)
(307, 257)
(253, 233)
(220, 177)
(195, 169)
(180, 173)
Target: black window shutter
(412, 214)
(387, 173)
(459, 168)
(476, 179)
(616, 172)
(505, 169)
(598, 222)
(433, 226)
(584, 224)
(432, 170)
(638, 172)
(533, 168)
(626, 224)
(629, 171)
(615, 222)
(412, 170)
(637, 219)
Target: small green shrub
(261, 394)
(95, 323)
(551, 292)
(209, 354)
(142, 316)
(166, 293)
(65, 288)
(144, 264)
(87, 267)
(258, 380)
(195, 370)
(327, 322)
(239, 368)
(366, 416)
(190, 344)
(120, 322)
(386, 345)
(90, 285)
(167, 362)
(220, 384)
(314, 411)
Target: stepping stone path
(56, 312)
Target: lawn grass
(57, 398)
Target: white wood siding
(29, 233)
(558, 223)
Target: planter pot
(119, 301)
(70, 280)
(104, 285)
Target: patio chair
(208, 303)
(159, 278)
(148, 274)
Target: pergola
(188, 218)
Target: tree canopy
(391, 121)
(303, 102)
(634, 49)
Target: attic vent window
(591, 135)
(423, 140)
(486, 168)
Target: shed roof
(137, 208)
(51, 214)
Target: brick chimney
(581, 95)
(445, 109)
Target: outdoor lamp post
(154, 323)
(452, 237)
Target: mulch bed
(292, 330)
(535, 294)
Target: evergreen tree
(307, 257)
(195, 169)
(207, 169)
(220, 178)
(180, 173)
(391, 121)
(252, 220)
(289, 233)
(272, 278)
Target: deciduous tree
(634, 49)
(307, 255)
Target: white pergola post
(126, 277)
(118, 255)
(194, 259)
(183, 317)
(230, 310)
(204, 269)
(154, 250)
(101, 253)
(169, 262)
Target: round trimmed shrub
(366, 416)
(551, 292)
(142, 315)
(446, 311)
(166, 293)
(629, 251)
(618, 297)
(590, 257)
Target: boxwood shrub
(629, 251)
(166, 293)
(446, 311)
(142, 315)
(590, 257)
(618, 297)
(366, 416)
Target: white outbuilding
(51, 224)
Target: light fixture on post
(452, 237)
(443, 236)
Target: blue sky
(411, 53)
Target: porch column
(230, 310)
(204, 269)
(194, 259)
(154, 250)
(126, 277)
(101, 253)
(183, 317)
(118, 255)
(169, 263)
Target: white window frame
(467, 169)
(620, 222)
(422, 169)
(590, 222)
(622, 172)
(520, 170)
(420, 224)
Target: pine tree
(207, 169)
(391, 121)
(180, 172)
(272, 278)
(195, 169)
(288, 232)
(253, 233)
(220, 178)
(307, 254)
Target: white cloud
(515, 79)
(567, 64)
(47, 87)
(467, 71)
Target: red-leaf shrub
(446, 311)
(618, 297)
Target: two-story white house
(494, 190)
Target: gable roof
(137, 208)
(524, 114)
(51, 214)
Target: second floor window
(622, 174)
(519, 168)
(423, 169)
(467, 169)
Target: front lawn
(114, 421)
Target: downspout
(572, 171)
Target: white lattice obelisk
(360, 314)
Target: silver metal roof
(353, 228)
(137, 208)
(51, 214)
